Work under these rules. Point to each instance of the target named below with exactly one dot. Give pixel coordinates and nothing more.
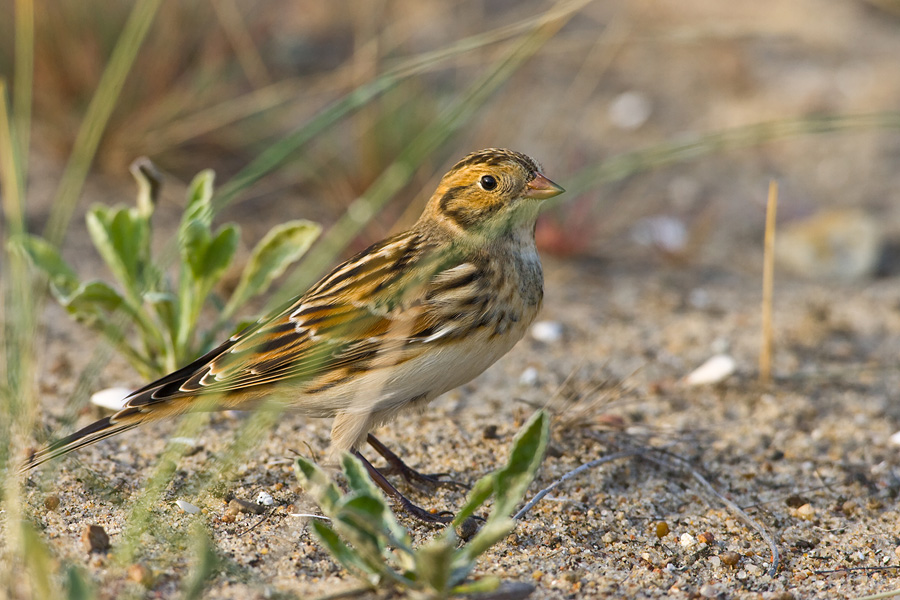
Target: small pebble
(708, 590)
(730, 558)
(230, 515)
(895, 439)
(94, 538)
(246, 507)
(687, 540)
(662, 529)
(796, 500)
(706, 538)
(111, 398)
(467, 529)
(806, 512)
(529, 377)
(489, 432)
(51, 502)
(187, 507)
(138, 573)
(717, 369)
(264, 498)
(548, 332)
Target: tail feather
(125, 419)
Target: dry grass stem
(765, 353)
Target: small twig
(765, 352)
(728, 503)
(309, 516)
(573, 473)
(851, 569)
(262, 520)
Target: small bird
(402, 322)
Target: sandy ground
(808, 457)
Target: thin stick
(765, 353)
(728, 503)
(573, 473)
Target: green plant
(165, 316)
(365, 537)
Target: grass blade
(24, 80)
(97, 117)
(685, 149)
(430, 140)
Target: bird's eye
(488, 182)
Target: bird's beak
(541, 188)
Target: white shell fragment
(265, 499)
(718, 368)
(187, 507)
(111, 398)
(630, 110)
(663, 232)
(895, 440)
(548, 332)
(687, 540)
(529, 377)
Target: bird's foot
(412, 476)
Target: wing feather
(381, 307)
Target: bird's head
(490, 190)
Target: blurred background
(362, 85)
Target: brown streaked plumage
(393, 327)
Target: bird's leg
(397, 465)
(415, 511)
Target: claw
(396, 465)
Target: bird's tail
(125, 419)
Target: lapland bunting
(392, 328)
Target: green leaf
(194, 239)
(344, 554)
(478, 495)
(434, 562)
(199, 207)
(206, 563)
(358, 477)
(491, 532)
(78, 586)
(219, 253)
(481, 586)
(361, 483)
(121, 237)
(282, 246)
(93, 297)
(528, 449)
(45, 257)
(39, 563)
(318, 485)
